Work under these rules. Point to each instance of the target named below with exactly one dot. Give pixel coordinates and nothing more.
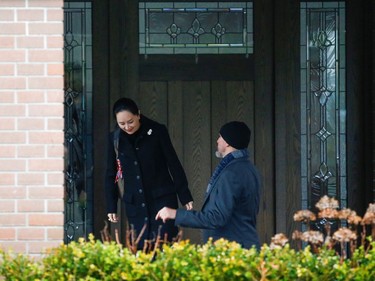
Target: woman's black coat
(153, 177)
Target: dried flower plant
(312, 236)
(329, 213)
(327, 203)
(345, 213)
(354, 219)
(343, 236)
(305, 216)
(297, 235)
(278, 241)
(369, 219)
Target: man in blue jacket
(231, 203)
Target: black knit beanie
(236, 134)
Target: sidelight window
(323, 98)
(77, 116)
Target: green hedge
(222, 260)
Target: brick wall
(373, 101)
(31, 125)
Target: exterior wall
(31, 125)
(373, 100)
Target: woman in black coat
(152, 173)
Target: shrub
(219, 260)
(327, 256)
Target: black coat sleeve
(174, 165)
(111, 190)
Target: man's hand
(166, 214)
(113, 217)
(189, 206)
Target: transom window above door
(196, 28)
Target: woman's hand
(112, 217)
(189, 206)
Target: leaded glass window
(196, 27)
(323, 109)
(77, 115)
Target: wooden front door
(194, 111)
(193, 95)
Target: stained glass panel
(323, 109)
(77, 116)
(196, 27)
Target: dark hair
(125, 104)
